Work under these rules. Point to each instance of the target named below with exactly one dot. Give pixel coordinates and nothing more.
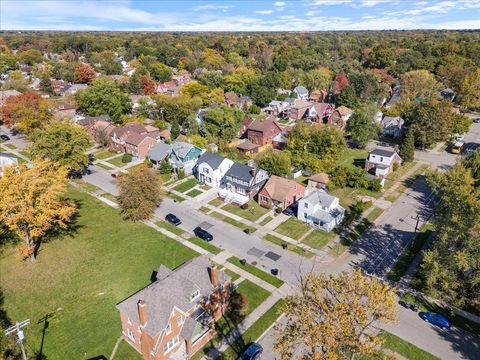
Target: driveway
(102, 178)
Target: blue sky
(240, 15)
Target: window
(205, 170)
(130, 335)
(306, 205)
(195, 295)
(180, 320)
(381, 159)
(264, 199)
(305, 215)
(170, 345)
(168, 328)
(209, 180)
(241, 191)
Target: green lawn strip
(25, 153)
(216, 202)
(194, 193)
(233, 222)
(252, 213)
(175, 197)
(338, 249)
(10, 146)
(254, 332)
(205, 245)
(19, 159)
(109, 197)
(126, 351)
(103, 166)
(256, 272)
(170, 227)
(356, 232)
(404, 348)
(317, 239)
(117, 161)
(456, 320)
(255, 296)
(204, 209)
(292, 228)
(395, 176)
(393, 197)
(84, 274)
(374, 214)
(104, 154)
(266, 220)
(186, 185)
(406, 258)
(292, 247)
(85, 186)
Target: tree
(33, 202)
(134, 84)
(275, 162)
(148, 85)
(317, 79)
(160, 72)
(331, 317)
(418, 84)
(25, 112)
(46, 85)
(223, 122)
(175, 109)
(30, 56)
(62, 143)
(407, 149)
(380, 57)
(470, 90)
(84, 73)
(195, 89)
(472, 162)
(348, 98)
(104, 96)
(362, 128)
(140, 192)
(341, 82)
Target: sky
(240, 15)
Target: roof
(263, 126)
(301, 90)
(381, 152)
(320, 107)
(172, 288)
(137, 139)
(159, 151)
(300, 104)
(64, 106)
(214, 160)
(319, 197)
(278, 188)
(395, 121)
(344, 111)
(240, 171)
(247, 145)
(181, 149)
(320, 178)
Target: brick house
(280, 192)
(340, 117)
(299, 108)
(262, 132)
(138, 145)
(174, 316)
(319, 112)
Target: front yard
(317, 239)
(293, 228)
(186, 185)
(79, 277)
(253, 213)
(256, 272)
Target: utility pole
(20, 335)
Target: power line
(20, 334)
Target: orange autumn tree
(84, 73)
(331, 317)
(34, 201)
(25, 112)
(148, 85)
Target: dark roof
(240, 171)
(263, 126)
(159, 151)
(381, 152)
(247, 145)
(214, 160)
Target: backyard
(79, 277)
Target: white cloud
(264, 12)
(210, 7)
(280, 3)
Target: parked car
(75, 174)
(253, 352)
(13, 132)
(173, 219)
(202, 234)
(460, 138)
(291, 210)
(477, 120)
(4, 137)
(114, 175)
(436, 319)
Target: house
(318, 96)
(447, 94)
(170, 88)
(276, 108)
(101, 131)
(319, 112)
(138, 145)
(280, 192)
(301, 92)
(158, 153)
(244, 102)
(5, 94)
(244, 124)
(184, 156)
(340, 117)
(211, 169)
(65, 111)
(73, 89)
(395, 96)
(137, 101)
(392, 126)
(7, 159)
(121, 133)
(231, 98)
(319, 181)
(174, 316)
(299, 108)
(262, 132)
(380, 162)
(320, 210)
(248, 148)
(242, 183)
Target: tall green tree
(223, 122)
(362, 128)
(160, 72)
(407, 150)
(275, 162)
(348, 98)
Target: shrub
(126, 158)
(396, 166)
(244, 206)
(374, 185)
(278, 210)
(181, 174)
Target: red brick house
(138, 145)
(174, 316)
(299, 109)
(135, 139)
(244, 126)
(262, 132)
(280, 192)
(320, 112)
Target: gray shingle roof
(181, 148)
(240, 171)
(159, 151)
(381, 152)
(319, 197)
(214, 160)
(301, 90)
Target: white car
(460, 138)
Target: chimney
(395, 148)
(142, 312)
(253, 172)
(214, 276)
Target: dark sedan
(435, 319)
(173, 219)
(253, 352)
(4, 137)
(202, 234)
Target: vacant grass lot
(78, 279)
(256, 272)
(348, 195)
(186, 185)
(317, 239)
(292, 247)
(253, 212)
(293, 228)
(353, 158)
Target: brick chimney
(214, 276)
(142, 312)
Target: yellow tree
(33, 202)
(331, 317)
(418, 84)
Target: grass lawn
(256, 272)
(126, 352)
(253, 212)
(293, 228)
(216, 202)
(175, 197)
(85, 186)
(292, 247)
(398, 270)
(25, 153)
(110, 197)
(302, 180)
(357, 231)
(186, 185)
(374, 214)
(205, 245)
(10, 146)
(194, 193)
(170, 227)
(317, 239)
(165, 177)
(104, 166)
(117, 161)
(404, 348)
(266, 220)
(353, 158)
(348, 195)
(338, 249)
(100, 262)
(233, 222)
(104, 154)
(204, 209)
(254, 332)
(393, 197)
(395, 176)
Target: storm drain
(205, 225)
(273, 256)
(255, 252)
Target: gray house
(301, 92)
(320, 210)
(158, 153)
(242, 183)
(184, 156)
(392, 126)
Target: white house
(381, 162)
(320, 210)
(301, 92)
(211, 169)
(7, 159)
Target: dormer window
(195, 295)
